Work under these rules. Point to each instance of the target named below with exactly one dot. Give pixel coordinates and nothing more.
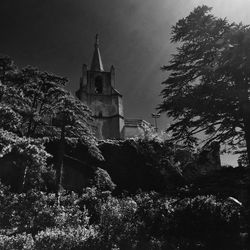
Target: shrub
(154, 212)
(118, 223)
(66, 238)
(204, 220)
(20, 241)
(102, 180)
(92, 199)
(151, 221)
(140, 164)
(144, 221)
(35, 211)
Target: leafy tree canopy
(207, 87)
(35, 105)
(32, 102)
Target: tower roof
(96, 64)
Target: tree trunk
(30, 120)
(59, 169)
(24, 178)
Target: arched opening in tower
(98, 85)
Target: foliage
(97, 220)
(117, 223)
(12, 106)
(75, 116)
(102, 180)
(207, 90)
(16, 242)
(148, 221)
(27, 155)
(141, 163)
(206, 221)
(149, 134)
(66, 238)
(72, 118)
(34, 105)
(31, 149)
(92, 200)
(10, 120)
(33, 220)
(40, 90)
(243, 160)
(35, 211)
(40, 99)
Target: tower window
(100, 114)
(98, 85)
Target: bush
(140, 164)
(97, 220)
(118, 224)
(34, 211)
(102, 180)
(20, 241)
(92, 200)
(150, 221)
(66, 238)
(206, 221)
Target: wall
(107, 107)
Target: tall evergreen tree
(207, 90)
(72, 118)
(35, 105)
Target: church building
(97, 90)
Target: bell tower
(97, 91)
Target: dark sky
(58, 36)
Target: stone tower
(97, 91)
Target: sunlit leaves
(34, 104)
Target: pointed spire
(97, 40)
(96, 64)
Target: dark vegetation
(61, 189)
(207, 90)
(98, 220)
